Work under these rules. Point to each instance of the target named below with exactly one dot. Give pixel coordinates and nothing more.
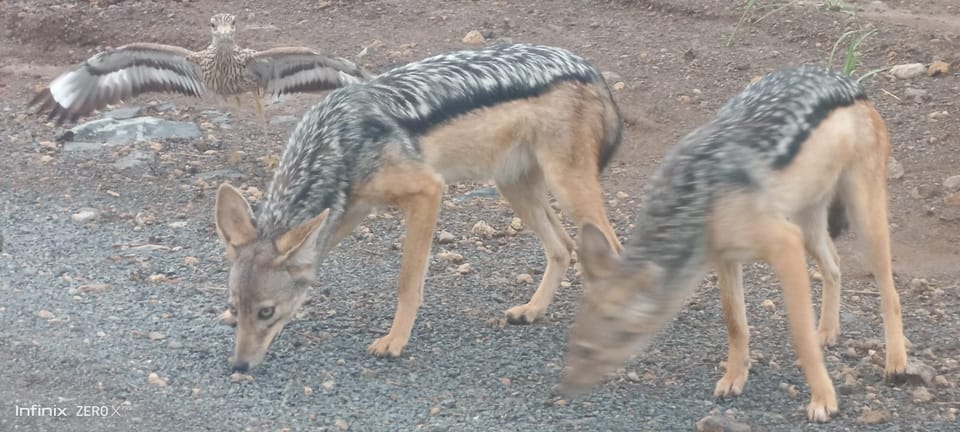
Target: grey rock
(112, 132)
(919, 373)
(85, 214)
(721, 424)
(952, 184)
(908, 71)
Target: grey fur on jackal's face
(621, 310)
(269, 275)
(264, 296)
(223, 26)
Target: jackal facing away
(532, 118)
(754, 183)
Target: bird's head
(223, 27)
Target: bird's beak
(223, 30)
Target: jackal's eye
(232, 309)
(265, 313)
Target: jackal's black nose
(241, 366)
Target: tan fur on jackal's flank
(845, 155)
(552, 142)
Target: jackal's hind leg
(784, 250)
(580, 196)
(868, 214)
(528, 197)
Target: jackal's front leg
(420, 213)
(730, 277)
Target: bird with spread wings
(222, 68)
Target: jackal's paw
(387, 346)
(730, 385)
(828, 336)
(523, 314)
(896, 369)
(227, 318)
(822, 407)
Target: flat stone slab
(109, 132)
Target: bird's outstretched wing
(295, 69)
(117, 75)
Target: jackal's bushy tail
(613, 130)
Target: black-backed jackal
(754, 183)
(532, 118)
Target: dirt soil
(89, 310)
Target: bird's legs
(258, 101)
(271, 160)
(233, 150)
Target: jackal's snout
(596, 348)
(254, 338)
(581, 372)
(621, 310)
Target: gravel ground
(89, 309)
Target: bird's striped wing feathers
(290, 70)
(117, 75)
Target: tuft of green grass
(851, 56)
(853, 40)
(849, 41)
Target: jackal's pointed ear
(595, 253)
(298, 242)
(234, 219)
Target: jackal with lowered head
(532, 118)
(753, 183)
